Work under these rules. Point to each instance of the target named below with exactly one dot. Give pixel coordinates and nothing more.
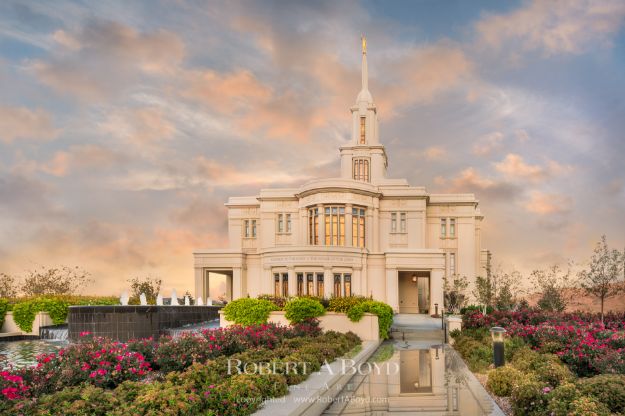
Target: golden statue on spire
(364, 44)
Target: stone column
(292, 281)
(348, 225)
(392, 289)
(328, 283)
(200, 285)
(436, 289)
(322, 226)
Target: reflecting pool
(24, 353)
(414, 378)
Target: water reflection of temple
(416, 379)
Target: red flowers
(580, 340)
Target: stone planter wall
(9, 325)
(367, 328)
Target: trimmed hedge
(302, 309)
(249, 311)
(381, 309)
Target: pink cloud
(23, 123)
(546, 204)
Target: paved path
(416, 322)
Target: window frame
(363, 130)
(443, 228)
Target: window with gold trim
(361, 169)
(363, 130)
(358, 227)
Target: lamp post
(497, 334)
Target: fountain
(174, 298)
(123, 299)
(209, 302)
(124, 322)
(199, 301)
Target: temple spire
(364, 94)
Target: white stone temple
(359, 234)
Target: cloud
(469, 180)
(560, 27)
(23, 123)
(546, 204)
(226, 92)
(422, 74)
(434, 153)
(487, 143)
(139, 126)
(513, 166)
(105, 57)
(81, 157)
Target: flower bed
(193, 374)
(557, 364)
(588, 346)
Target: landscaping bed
(557, 364)
(216, 372)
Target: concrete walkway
(416, 327)
(416, 321)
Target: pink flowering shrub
(588, 346)
(12, 386)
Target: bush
(560, 399)
(4, 307)
(588, 406)
(552, 371)
(502, 380)
(345, 303)
(302, 309)
(529, 399)
(606, 388)
(381, 309)
(24, 312)
(248, 311)
(279, 301)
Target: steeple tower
(364, 94)
(364, 159)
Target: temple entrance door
(414, 292)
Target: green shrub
(525, 359)
(248, 311)
(24, 312)
(560, 399)
(477, 355)
(302, 309)
(512, 345)
(345, 303)
(502, 380)
(75, 401)
(4, 307)
(381, 309)
(529, 399)
(606, 388)
(552, 371)
(588, 406)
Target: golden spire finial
(364, 44)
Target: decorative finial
(364, 44)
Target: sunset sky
(125, 126)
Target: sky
(125, 126)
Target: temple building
(359, 234)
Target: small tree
(603, 278)
(504, 288)
(551, 284)
(483, 292)
(455, 296)
(151, 286)
(8, 286)
(55, 281)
